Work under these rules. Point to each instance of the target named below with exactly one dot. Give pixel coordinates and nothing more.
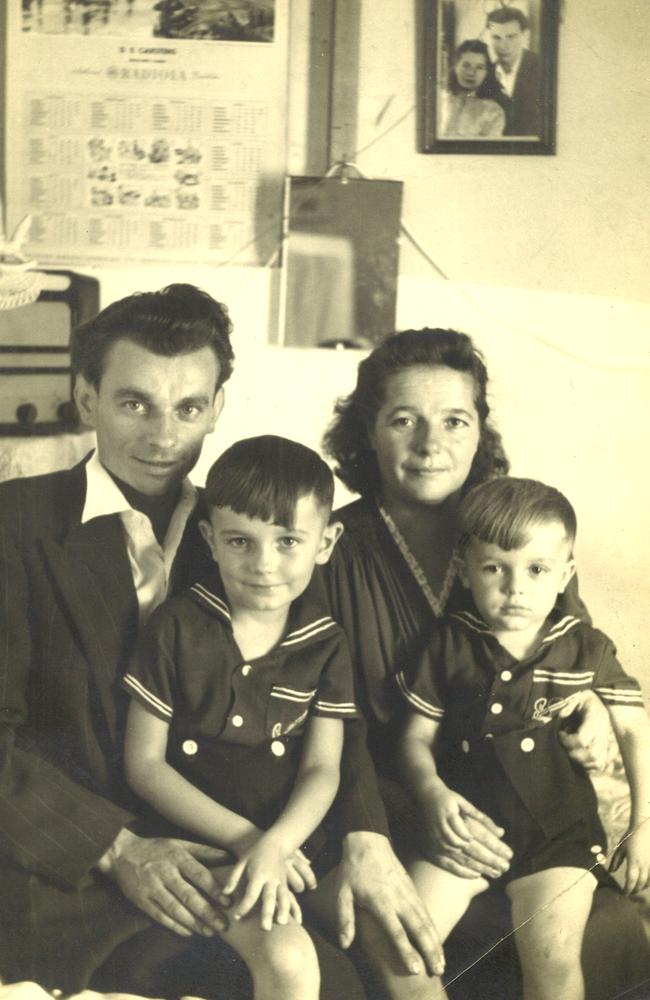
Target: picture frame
(490, 76)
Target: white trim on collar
(476, 624)
(304, 634)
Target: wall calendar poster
(145, 131)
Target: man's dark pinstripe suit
(68, 619)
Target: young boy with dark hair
(489, 696)
(235, 727)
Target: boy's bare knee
(289, 959)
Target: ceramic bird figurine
(20, 281)
(11, 254)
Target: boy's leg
(282, 962)
(381, 967)
(445, 896)
(549, 914)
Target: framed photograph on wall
(490, 76)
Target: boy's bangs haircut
(503, 511)
(265, 477)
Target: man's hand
(485, 854)
(371, 877)
(170, 880)
(587, 734)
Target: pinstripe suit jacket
(68, 621)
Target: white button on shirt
(150, 562)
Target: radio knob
(26, 414)
(67, 413)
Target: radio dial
(26, 414)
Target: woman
(412, 437)
(469, 107)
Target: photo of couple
(493, 74)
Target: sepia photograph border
(435, 61)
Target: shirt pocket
(287, 710)
(554, 690)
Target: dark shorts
(580, 845)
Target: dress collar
(437, 603)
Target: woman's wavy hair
(489, 88)
(347, 439)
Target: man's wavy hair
(506, 14)
(347, 439)
(179, 319)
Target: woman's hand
(370, 877)
(586, 733)
(263, 869)
(635, 848)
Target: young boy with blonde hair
(489, 697)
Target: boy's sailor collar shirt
(468, 679)
(191, 673)
(492, 706)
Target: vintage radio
(35, 380)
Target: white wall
(572, 222)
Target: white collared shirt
(507, 79)
(151, 562)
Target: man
(85, 556)
(517, 70)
